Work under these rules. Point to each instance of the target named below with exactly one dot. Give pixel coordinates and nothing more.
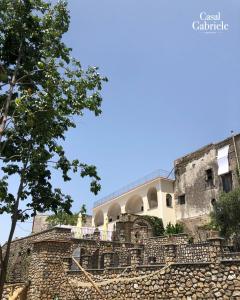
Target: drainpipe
(235, 148)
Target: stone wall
(156, 249)
(199, 252)
(182, 281)
(10, 288)
(180, 271)
(216, 279)
(21, 250)
(101, 254)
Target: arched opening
(115, 260)
(169, 200)
(114, 212)
(134, 205)
(95, 259)
(102, 261)
(77, 255)
(128, 262)
(99, 219)
(213, 202)
(152, 198)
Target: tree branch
(10, 93)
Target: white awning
(222, 158)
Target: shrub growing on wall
(173, 229)
(157, 225)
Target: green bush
(157, 225)
(226, 213)
(173, 229)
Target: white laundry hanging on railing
(222, 158)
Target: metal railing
(154, 175)
(88, 232)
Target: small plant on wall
(173, 229)
(157, 225)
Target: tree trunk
(5, 258)
(4, 264)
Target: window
(209, 178)
(181, 199)
(213, 202)
(169, 200)
(152, 198)
(227, 182)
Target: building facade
(151, 196)
(189, 197)
(200, 178)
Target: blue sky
(171, 89)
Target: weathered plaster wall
(40, 223)
(190, 172)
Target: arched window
(114, 212)
(99, 219)
(152, 198)
(134, 205)
(169, 200)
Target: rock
(236, 293)
(231, 277)
(135, 286)
(218, 294)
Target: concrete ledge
(52, 241)
(224, 261)
(191, 263)
(40, 233)
(167, 236)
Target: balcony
(150, 177)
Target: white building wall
(163, 186)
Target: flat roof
(161, 174)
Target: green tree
(42, 89)
(173, 229)
(226, 213)
(63, 218)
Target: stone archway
(141, 230)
